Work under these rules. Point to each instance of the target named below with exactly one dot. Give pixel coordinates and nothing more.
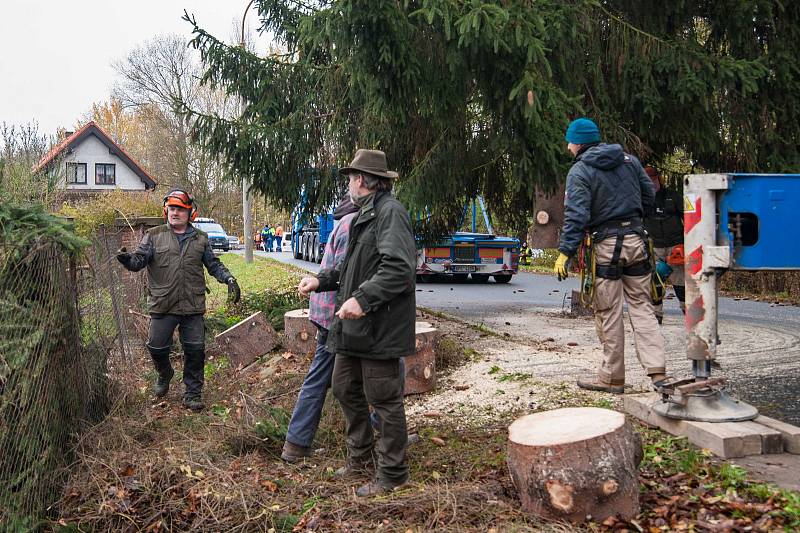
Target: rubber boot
(161, 362)
(194, 358)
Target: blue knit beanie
(582, 131)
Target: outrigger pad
(707, 405)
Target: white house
(88, 160)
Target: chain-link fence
(64, 361)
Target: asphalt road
(759, 354)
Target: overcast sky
(56, 55)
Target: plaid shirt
(322, 304)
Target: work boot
(160, 357)
(195, 403)
(193, 377)
(161, 387)
(293, 453)
(377, 487)
(594, 383)
(356, 466)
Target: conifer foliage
(472, 97)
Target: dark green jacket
(176, 282)
(379, 271)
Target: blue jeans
(308, 409)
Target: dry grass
(158, 467)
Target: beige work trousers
(607, 304)
(675, 278)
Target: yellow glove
(560, 268)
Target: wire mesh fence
(65, 353)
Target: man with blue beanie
(607, 194)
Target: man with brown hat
(374, 323)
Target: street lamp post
(246, 195)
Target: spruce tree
(472, 97)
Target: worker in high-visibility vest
(278, 238)
(525, 254)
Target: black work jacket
(664, 221)
(379, 271)
(605, 184)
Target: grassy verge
(267, 285)
(158, 467)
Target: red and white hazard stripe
(703, 256)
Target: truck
(310, 234)
(470, 253)
(458, 256)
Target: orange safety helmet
(180, 198)
(675, 257)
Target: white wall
(91, 151)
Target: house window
(76, 173)
(105, 174)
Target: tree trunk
(568, 464)
(421, 367)
(548, 217)
(299, 332)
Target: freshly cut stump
(421, 367)
(299, 332)
(569, 464)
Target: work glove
(560, 268)
(124, 256)
(234, 292)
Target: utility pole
(246, 195)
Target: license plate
(464, 268)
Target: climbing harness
(587, 267)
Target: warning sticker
(689, 201)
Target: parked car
(217, 237)
(233, 240)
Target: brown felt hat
(370, 161)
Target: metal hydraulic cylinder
(703, 258)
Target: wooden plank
(790, 433)
(725, 439)
(246, 341)
(771, 440)
(641, 406)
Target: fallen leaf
(127, 471)
(269, 485)
(438, 441)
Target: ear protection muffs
(180, 198)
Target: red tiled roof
(91, 128)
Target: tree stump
(300, 334)
(251, 338)
(568, 464)
(421, 367)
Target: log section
(300, 334)
(421, 367)
(569, 464)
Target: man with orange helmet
(175, 254)
(664, 223)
